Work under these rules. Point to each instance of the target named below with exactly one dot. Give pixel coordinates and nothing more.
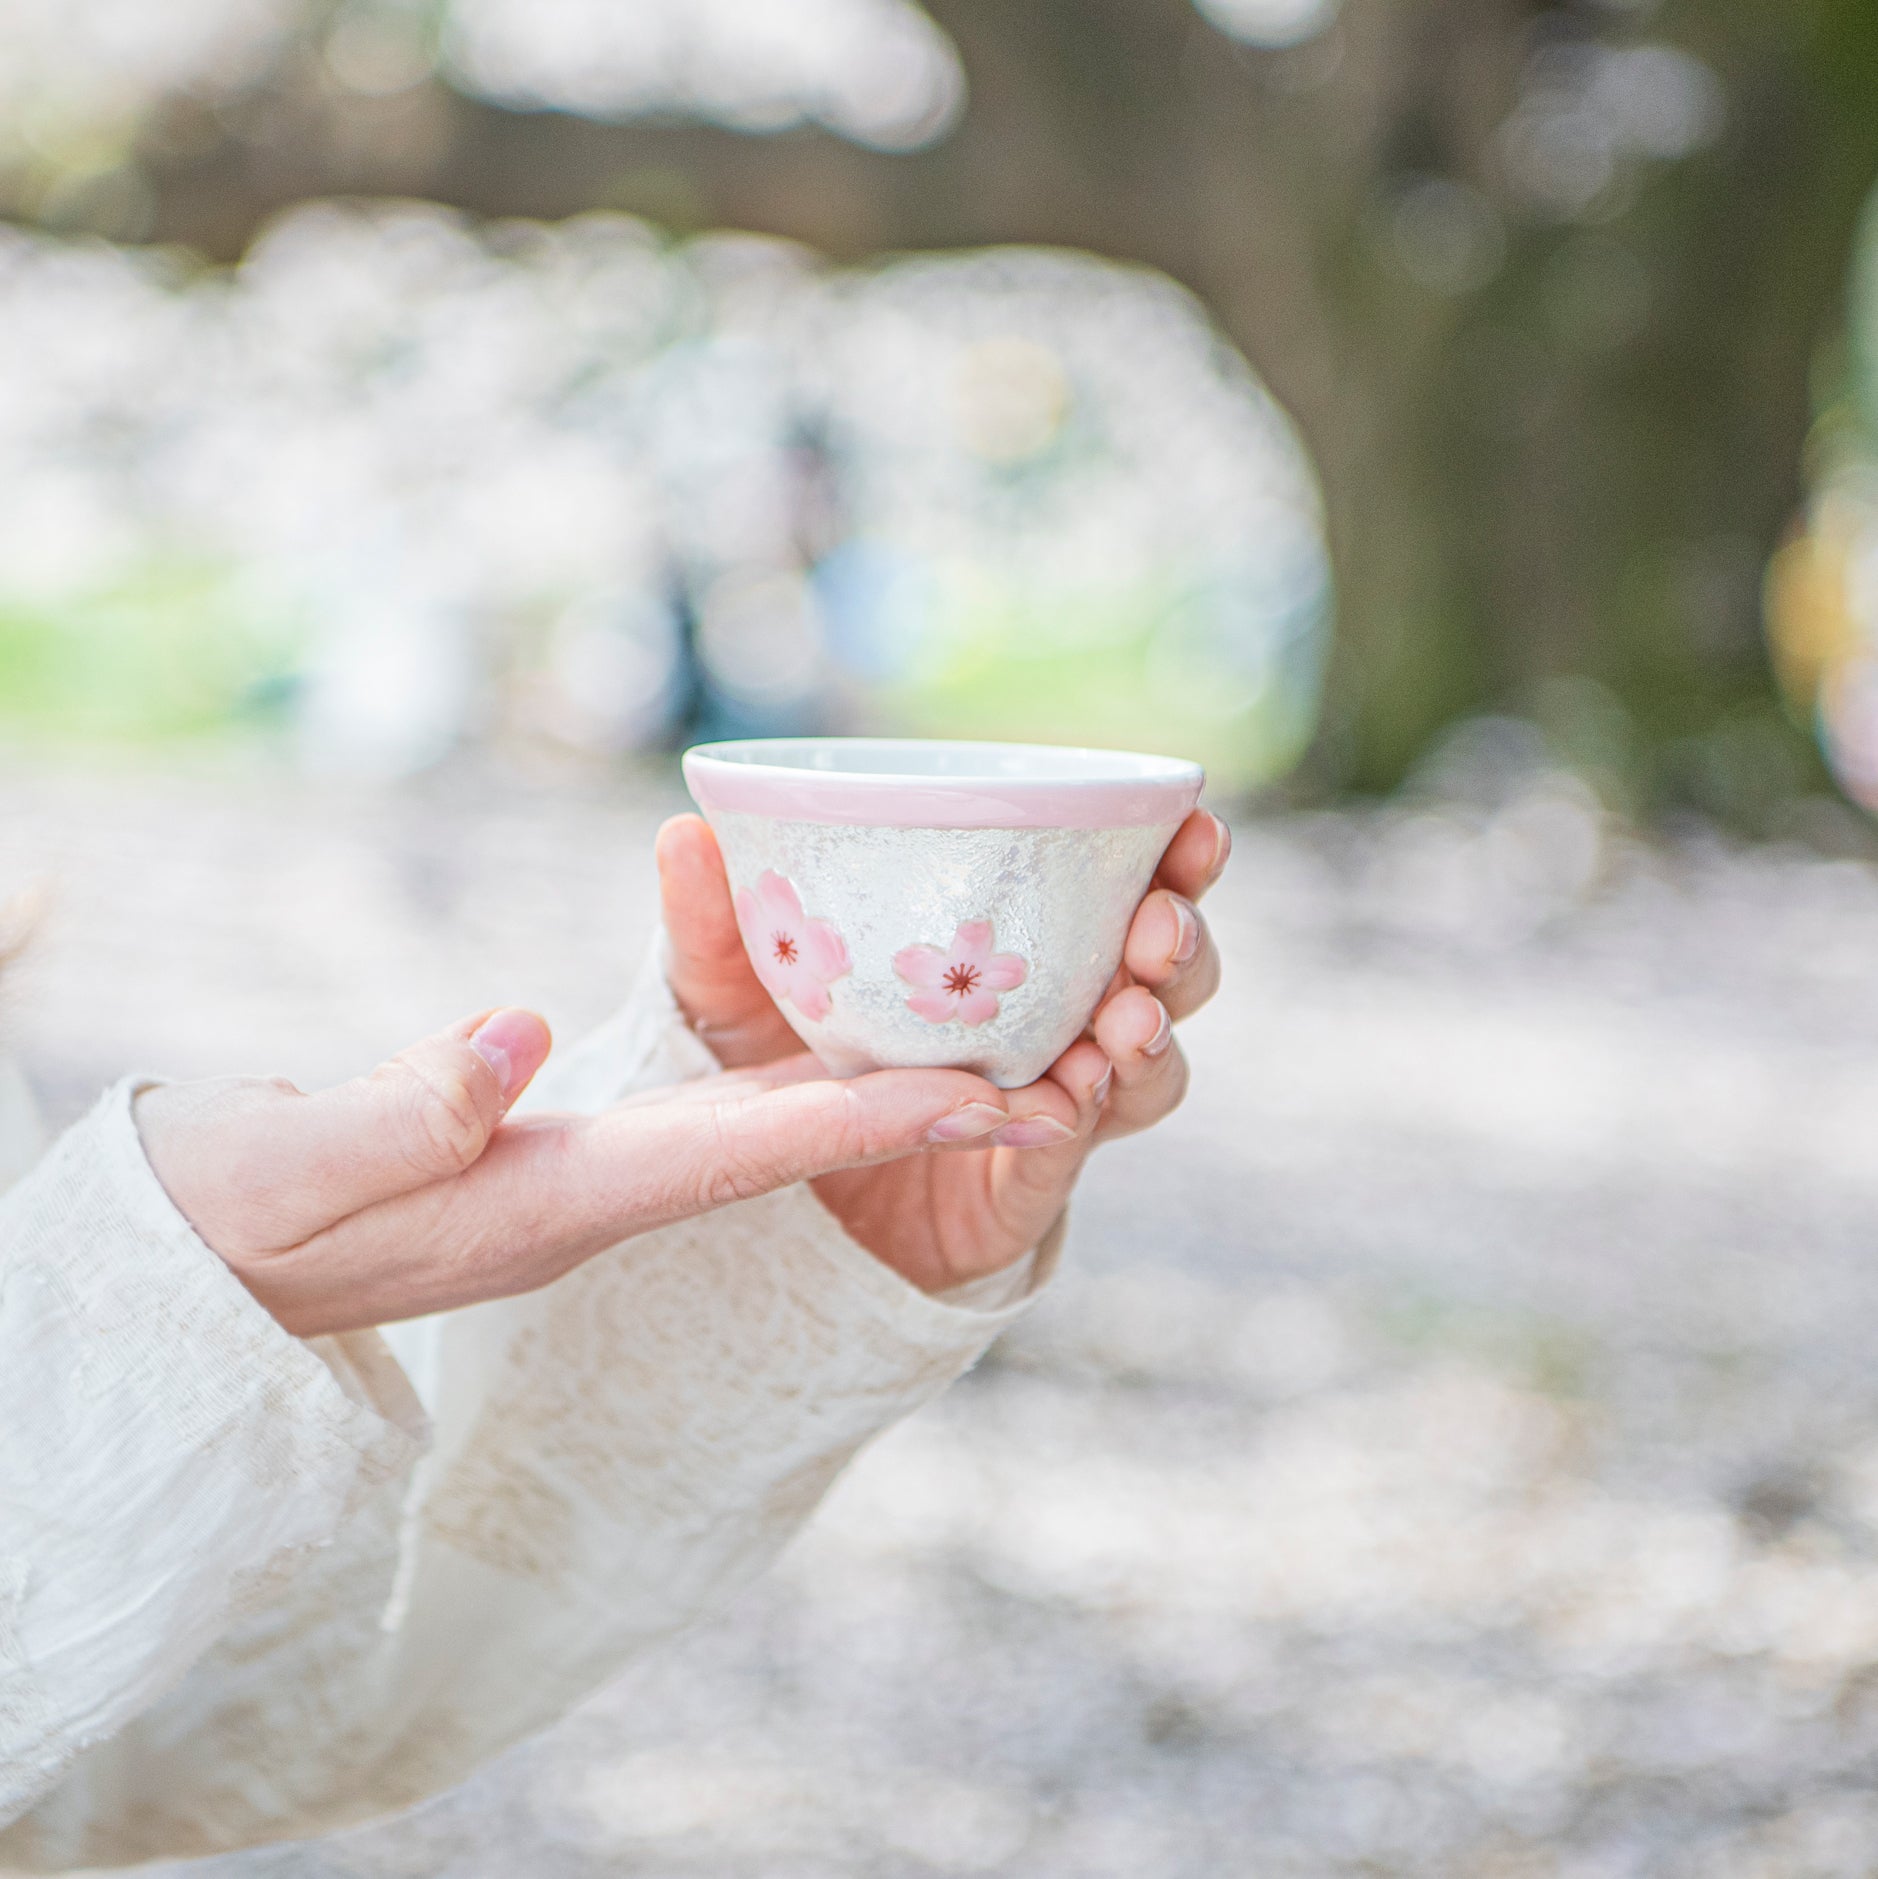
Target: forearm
(612, 1455)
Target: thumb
(708, 968)
(426, 1114)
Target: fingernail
(1222, 850)
(1033, 1132)
(1187, 930)
(1100, 1094)
(964, 1125)
(1163, 1036)
(509, 1044)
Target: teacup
(913, 903)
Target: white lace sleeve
(612, 1457)
(164, 1446)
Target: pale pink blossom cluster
(798, 959)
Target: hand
(940, 1219)
(407, 1192)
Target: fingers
(1136, 1034)
(708, 969)
(1197, 855)
(1170, 950)
(1061, 1107)
(699, 918)
(554, 1190)
(425, 1115)
(1037, 1157)
(752, 1142)
(801, 1068)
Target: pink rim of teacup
(933, 783)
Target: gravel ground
(1452, 1450)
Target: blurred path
(1454, 1450)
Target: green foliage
(171, 649)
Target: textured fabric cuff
(970, 1315)
(367, 1377)
(168, 1444)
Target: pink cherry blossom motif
(962, 980)
(796, 958)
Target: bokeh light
(394, 483)
(1589, 113)
(77, 76)
(86, 68)
(878, 71)
(1273, 23)
(1822, 587)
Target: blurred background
(1454, 1449)
(388, 376)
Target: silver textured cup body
(873, 940)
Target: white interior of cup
(918, 759)
(908, 782)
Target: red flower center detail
(785, 948)
(960, 983)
